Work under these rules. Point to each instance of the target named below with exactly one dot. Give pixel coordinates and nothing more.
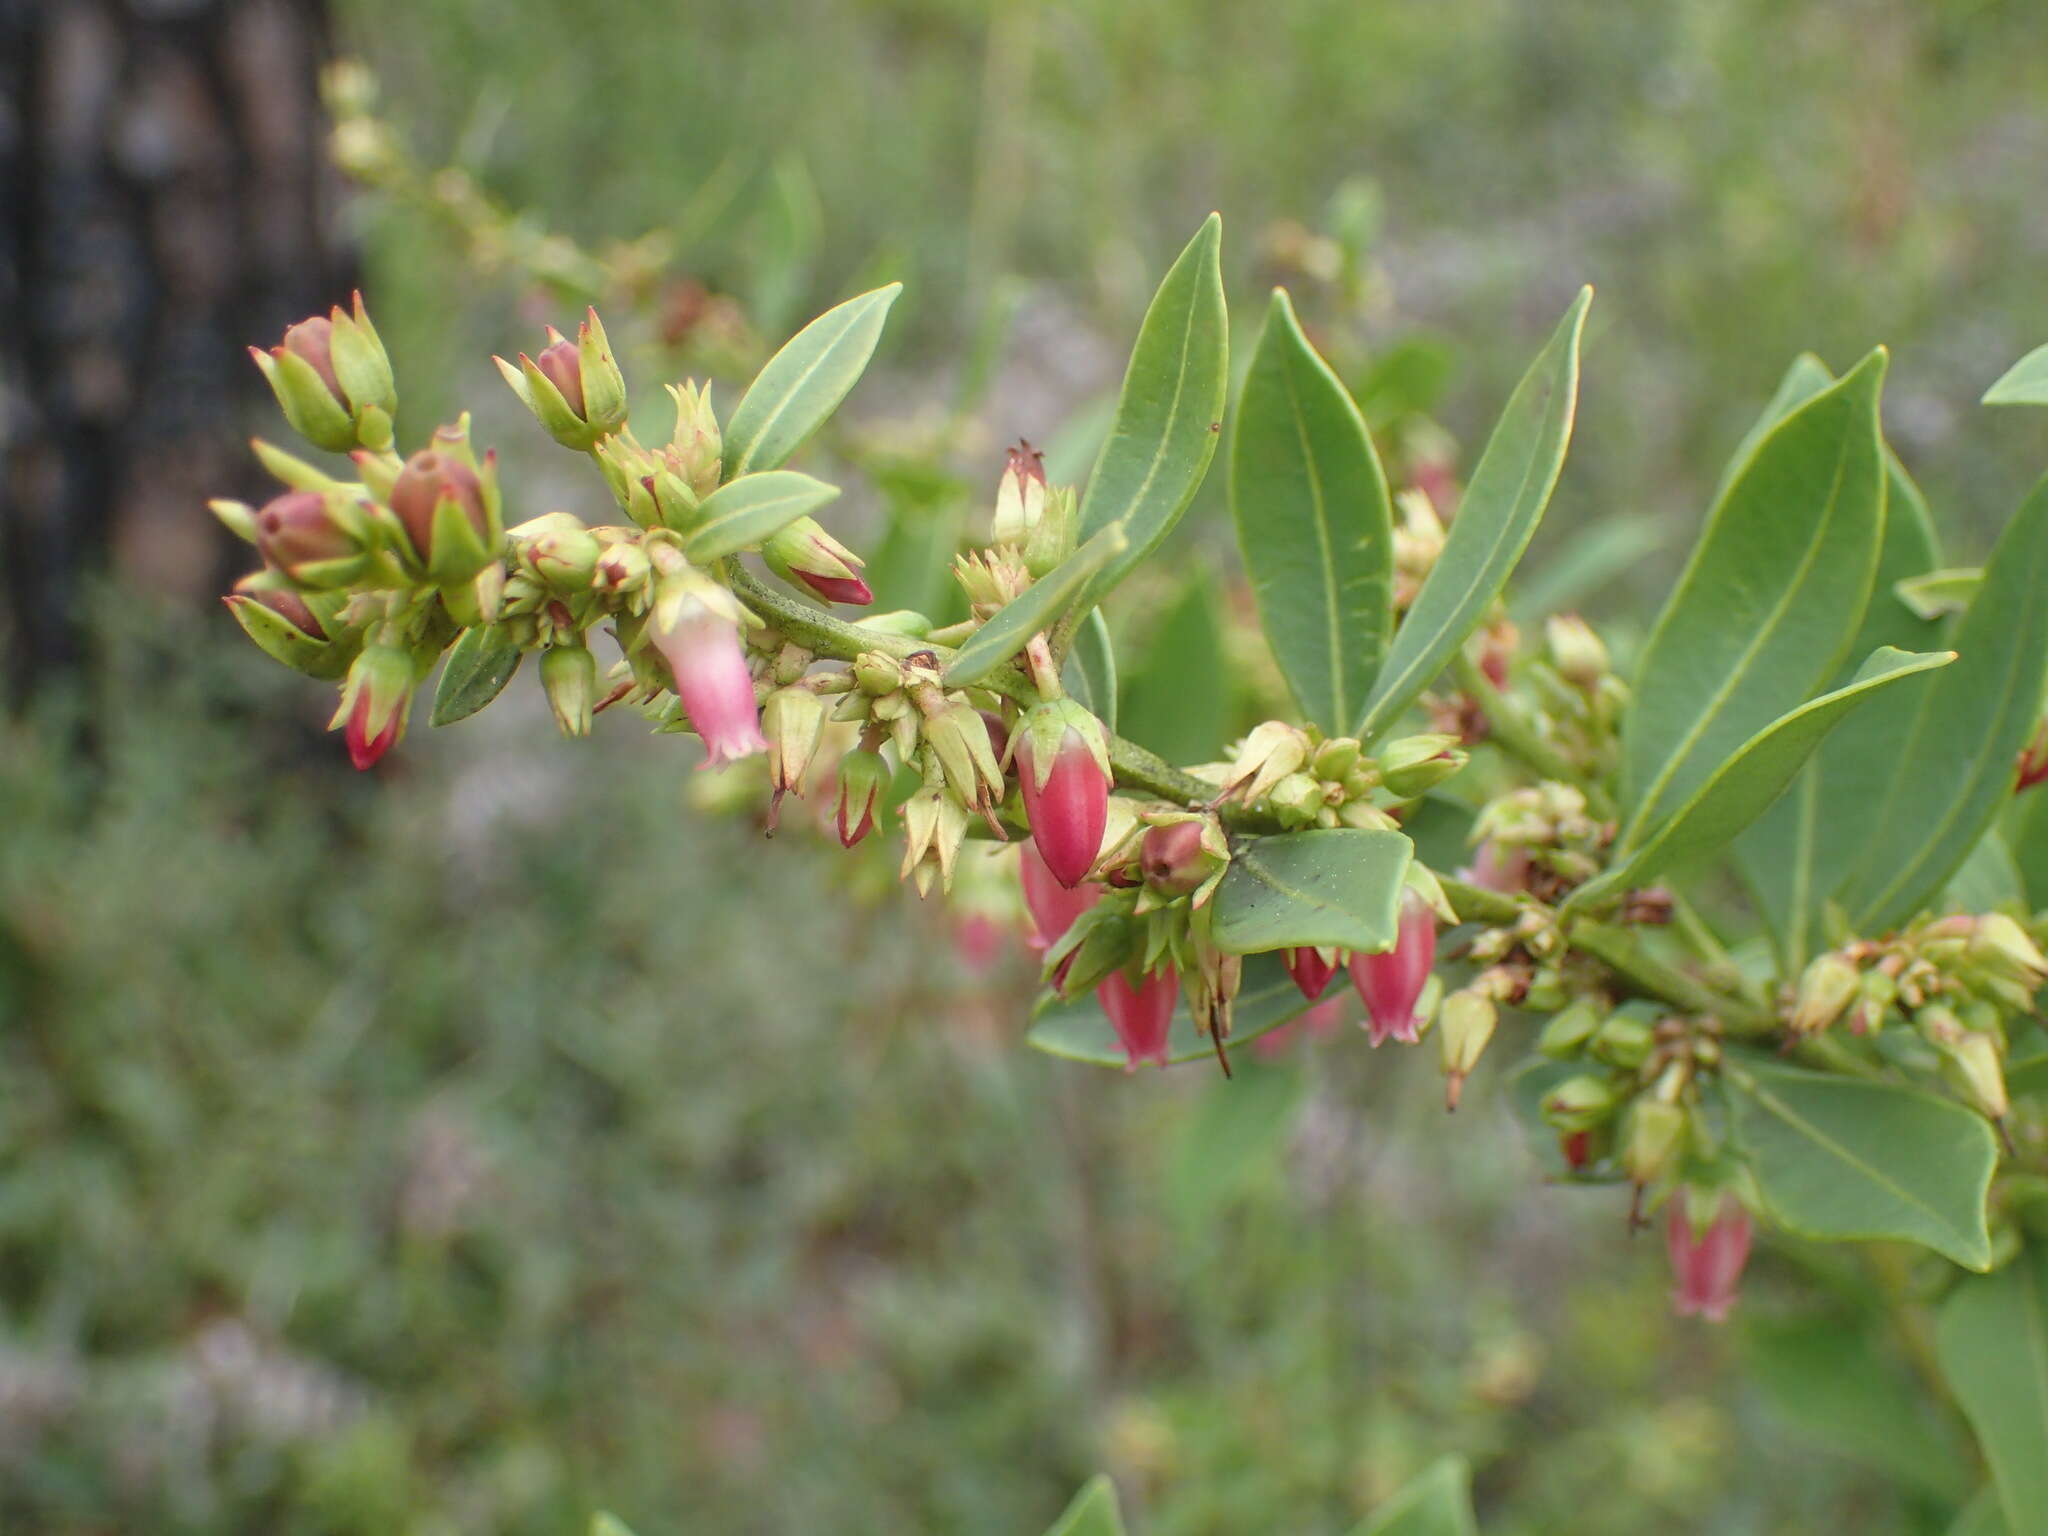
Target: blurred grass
(463, 1147)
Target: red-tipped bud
(1063, 771)
(428, 479)
(374, 702)
(290, 607)
(1707, 1260)
(1175, 858)
(313, 539)
(313, 340)
(863, 774)
(805, 553)
(1389, 984)
(1577, 1150)
(562, 366)
(1312, 970)
(1053, 907)
(1141, 1014)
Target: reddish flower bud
(428, 479)
(1577, 1147)
(290, 607)
(374, 702)
(1065, 781)
(1311, 972)
(1053, 907)
(308, 538)
(313, 340)
(366, 743)
(804, 552)
(863, 775)
(561, 364)
(1173, 858)
(1389, 984)
(1707, 1264)
(710, 667)
(1141, 1015)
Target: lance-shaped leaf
(1438, 1503)
(804, 383)
(1497, 515)
(1336, 886)
(1310, 502)
(1937, 594)
(479, 665)
(1992, 1340)
(1040, 606)
(1761, 769)
(2024, 383)
(1093, 1513)
(1840, 1158)
(1170, 412)
(743, 512)
(1769, 602)
(1077, 1029)
(1089, 672)
(1950, 766)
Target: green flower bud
(1579, 1104)
(1465, 1023)
(575, 391)
(1827, 986)
(1623, 1041)
(958, 738)
(1567, 1033)
(1575, 651)
(792, 719)
(568, 674)
(1652, 1136)
(1414, 764)
(333, 381)
(695, 449)
(1334, 759)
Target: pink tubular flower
(1311, 972)
(1053, 907)
(710, 667)
(1066, 788)
(1141, 1014)
(1389, 984)
(1708, 1267)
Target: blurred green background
(465, 1146)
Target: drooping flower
(1141, 1014)
(1053, 907)
(710, 667)
(1063, 771)
(1707, 1261)
(1312, 969)
(1389, 984)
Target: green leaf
(1797, 852)
(1089, 672)
(1832, 1379)
(602, 1524)
(2026, 835)
(1498, 513)
(1981, 1517)
(1313, 520)
(2024, 383)
(1769, 602)
(1080, 1031)
(743, 512)
(1937, 594)
(1593, 558)
(1806, 377)
(1339, 886)
(1438, 1503)
(1992, 1339)
(1174, 698)
(1041, 605)
(1093, 1512)
(1989, 879)
(1950, 767)
(1744, 786)
(1848, 1158)
(804, 383)
(479, 665)
(1170, 412)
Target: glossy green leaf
(1089, 672)
(1338, 886)
(1438, 1503)
(479, 665)
(1797, 852)
(1093, 1512)
(2026, 835)
(1992, 1339)
(1769, 602)
(1840, 1158)
(743, 512)
(803, 383)
(1950, 766)
(1758, 771)
(1937, 594)
(1314, 523)
(1041, 605)
(2024, 383)
(1498, 513)
(1174, 698)
(1804, 378)
(1989, 878)
(1078, 1030)
(1170, 412)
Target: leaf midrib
(746, 458)
(1333, 619)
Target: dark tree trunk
(163, 202)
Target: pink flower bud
(290, 607)
(1174, 860)
(313, 340)
(863, 775)
(1389, 984)
(710, 667)
(1066, 801)
(1492, 870)
(1140, 1015)
(1708, 1267)
(365, 743)
(1577, 1148)
(428, 479)
(1311, 972)
(561, 364)
(297, 529)
(1053, 907)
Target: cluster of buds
(1035, 523)
(1306, 779)
(1960, 981)
(1581, 700)
(1540, 839)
